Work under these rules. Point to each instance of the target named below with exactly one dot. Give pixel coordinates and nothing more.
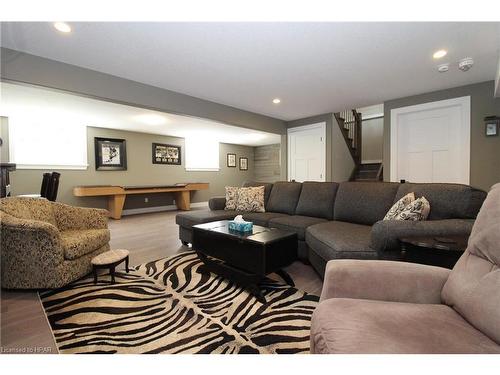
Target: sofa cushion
(316, 199)
(261, 218)
(77, 243)
(356, 326)
(340, 240)
(250, 199)
(267, 188)
(364, 202)
(231, 197)
(284, 197)
(473, 288)
(295, 223)
(188, 219)
(399, 206)
(448, 201)
(418, 210)
(29, 208)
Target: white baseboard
(370, 161)
(171, 207)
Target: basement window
(202, 154)
(42, 142)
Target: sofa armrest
(384, 281)
(217, 203)
(28, 244)
(386, 233)
(70, 217)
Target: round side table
(110, 259)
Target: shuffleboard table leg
(183, 200)
(115, 205)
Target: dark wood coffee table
(245, 258)
(434, 250)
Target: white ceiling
(27, 101)
(313, 67)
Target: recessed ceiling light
(440, 53)
(151, 119)
(276, 100)
(62, 27)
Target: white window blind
(202, 154)
(47, 143)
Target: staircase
(368, 172)
(350, 124)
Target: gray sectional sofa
(344, 220)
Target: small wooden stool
(110, 259)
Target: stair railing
(350, 124)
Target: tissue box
(240, 226)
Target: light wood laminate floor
(24, 327)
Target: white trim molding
(463, 102)
(51, 167)
(147, 210)
(371, 161)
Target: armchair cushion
(384, 281)
(70, 217)
(346, 326)
(473, 288)
(77, 243)
(29, 208)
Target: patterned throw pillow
(231, 197)
(399, 206)
(416, 211)
(251, 199)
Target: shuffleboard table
(116, 194)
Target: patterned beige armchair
(47, 244)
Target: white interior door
(307, 153)
(431, 142)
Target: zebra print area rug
(166, 306)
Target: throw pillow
(399, 206)
(250, 199)
(231, 197)
(416, 211)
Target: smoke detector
(465, 64)
(443, 68)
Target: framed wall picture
(166, 154)
(243, 164)
(231, 160)
(110, 154)
(491, 126)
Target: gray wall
(485, 151)
(267, 163)
(30, 69)
(140, 171)
(4, 134)
(372, 143)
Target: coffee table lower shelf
(246, 280)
